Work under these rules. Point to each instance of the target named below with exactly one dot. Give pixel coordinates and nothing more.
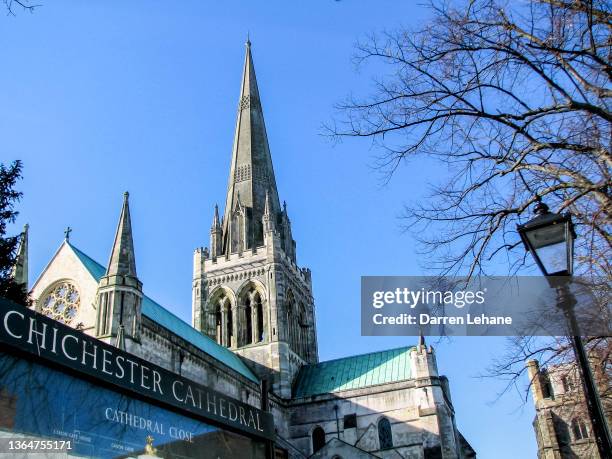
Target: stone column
(255, 332)
(232, 338)
(240, 326)
(224, 337)
(274, 312)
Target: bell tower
(248, 292)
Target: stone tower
(248, 292)
(119, 297)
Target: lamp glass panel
(547, 235)
(553, 257)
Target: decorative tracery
(252, 322)
(62, 302)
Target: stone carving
(247, 101)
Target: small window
(318, 439)
(350, 421)
(385, 437)
(580, 429)
(547, 390)
(568, 384)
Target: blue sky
(100, 97)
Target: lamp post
(549, 237)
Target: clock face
(62, 302)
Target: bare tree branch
(25, 5)
(514, 99)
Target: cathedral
(254, 325)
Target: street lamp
(550, 239)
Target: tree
(13, 5)
(9, 244)
(514, 99)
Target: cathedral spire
(251, 171)
(122, 260)
(20, 269)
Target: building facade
(253, 320)
(562, 426)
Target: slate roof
(354, 372)
(171, 322)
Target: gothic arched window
(62, 302)
(220, 320)
(385, 437)
(318, 439)
(250, 322)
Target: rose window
(62, 302)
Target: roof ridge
(354, 372)
(361, 355)
(74, 247)
(150, 299)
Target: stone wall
(417, 421)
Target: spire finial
(120, 339)
(216, 220)
(248, 40)
(67, 232)
(20, 269)
(267, 204)
(122, 260)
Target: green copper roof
(166, 319)
(354, 372)
(94, 268)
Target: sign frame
(31, 334)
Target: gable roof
(354, 372)
(171, 322)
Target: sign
(36, 334)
